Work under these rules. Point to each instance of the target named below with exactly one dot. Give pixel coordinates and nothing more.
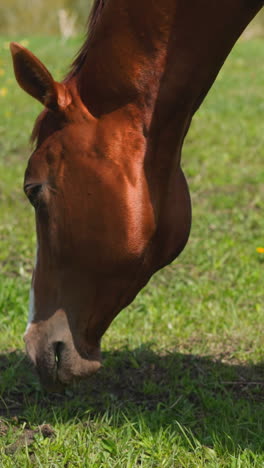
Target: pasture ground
(183, 377)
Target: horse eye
(32, 191)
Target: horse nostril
(58, 349)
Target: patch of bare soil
(3, 428)
(28, 436)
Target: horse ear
(36, 80)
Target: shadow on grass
(214, 399)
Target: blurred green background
(65, 17)
(27, 17)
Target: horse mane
(93, 18)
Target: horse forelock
(35, 132)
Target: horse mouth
(58, 363)
(54, 373)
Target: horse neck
(160, 57)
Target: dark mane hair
(95, 13)
(93, 18)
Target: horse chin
(53, 352)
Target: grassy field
(183, 377)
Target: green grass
(182, 383)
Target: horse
(111, 201)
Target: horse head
(93, 220)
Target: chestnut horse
(111, 201)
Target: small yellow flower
(3, 92)
(260, 250)
(24, 43)
(2, 72)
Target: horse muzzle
(52, 350)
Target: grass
(182, 383)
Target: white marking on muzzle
(31, 311)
